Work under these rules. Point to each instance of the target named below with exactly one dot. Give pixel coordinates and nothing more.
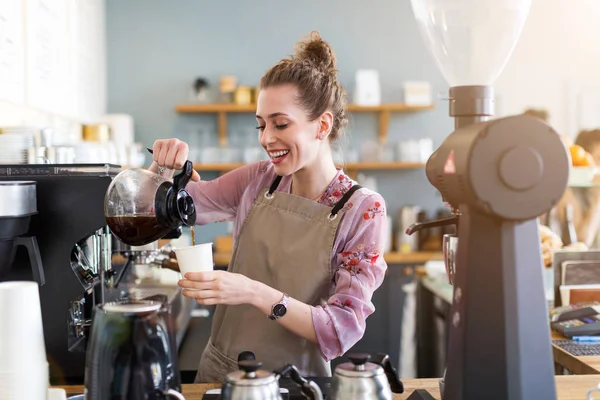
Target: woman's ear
(325, 124)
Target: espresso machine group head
(501, 175)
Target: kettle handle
(396, 384)
(180, 181)
(309, 389)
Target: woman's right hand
(171, 154)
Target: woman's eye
(280, 127)
(260, 127)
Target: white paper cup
(21, 328)
(57, 394)
(31, 383)
(195, 258)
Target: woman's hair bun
(318, 52)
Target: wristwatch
(278, 310)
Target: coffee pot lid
(359, 367)
(135, 307)
(250, 374)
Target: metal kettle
(363, 380)
(252, 383)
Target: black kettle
(132, 352)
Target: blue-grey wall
(156, 48)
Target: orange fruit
(577, 155)
(588, 161)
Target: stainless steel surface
(449, 246)
(251, 385)
(359, 382)
(360, 379)
(134, 307)
(45, 170)
(18, 198)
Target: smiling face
(291, 140)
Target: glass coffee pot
(141, 206)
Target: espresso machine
(74, 247)
(499, 175)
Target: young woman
(308, 251)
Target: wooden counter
(569, 387)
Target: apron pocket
(214, 365)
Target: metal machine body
(70, 201)
(501, 174)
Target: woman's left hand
(218, 287)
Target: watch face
(279, 310)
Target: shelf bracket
(384, 123)
(222, 127)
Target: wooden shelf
(222, 110)
(250, 108)
(222, 259)
(349, 168)
(217, 167)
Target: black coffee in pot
(136, 230)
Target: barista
(308, 249)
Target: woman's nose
(267, 138)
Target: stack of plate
(15, 143)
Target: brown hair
(313, 71)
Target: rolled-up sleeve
(217, 200)
(359, 270)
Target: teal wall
(156, 48)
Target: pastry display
(551, 242)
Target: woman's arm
(217, 200)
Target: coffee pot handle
(180, 181)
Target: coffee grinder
(501, 174)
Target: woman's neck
(311, 181)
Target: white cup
(195, 258)
(31, 383)
(21, 329)
(57, 394)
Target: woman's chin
(283, 169)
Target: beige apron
(285, 242)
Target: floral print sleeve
(359, 270)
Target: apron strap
(274, 185)
(344, 200)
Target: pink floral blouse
(357, 258)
